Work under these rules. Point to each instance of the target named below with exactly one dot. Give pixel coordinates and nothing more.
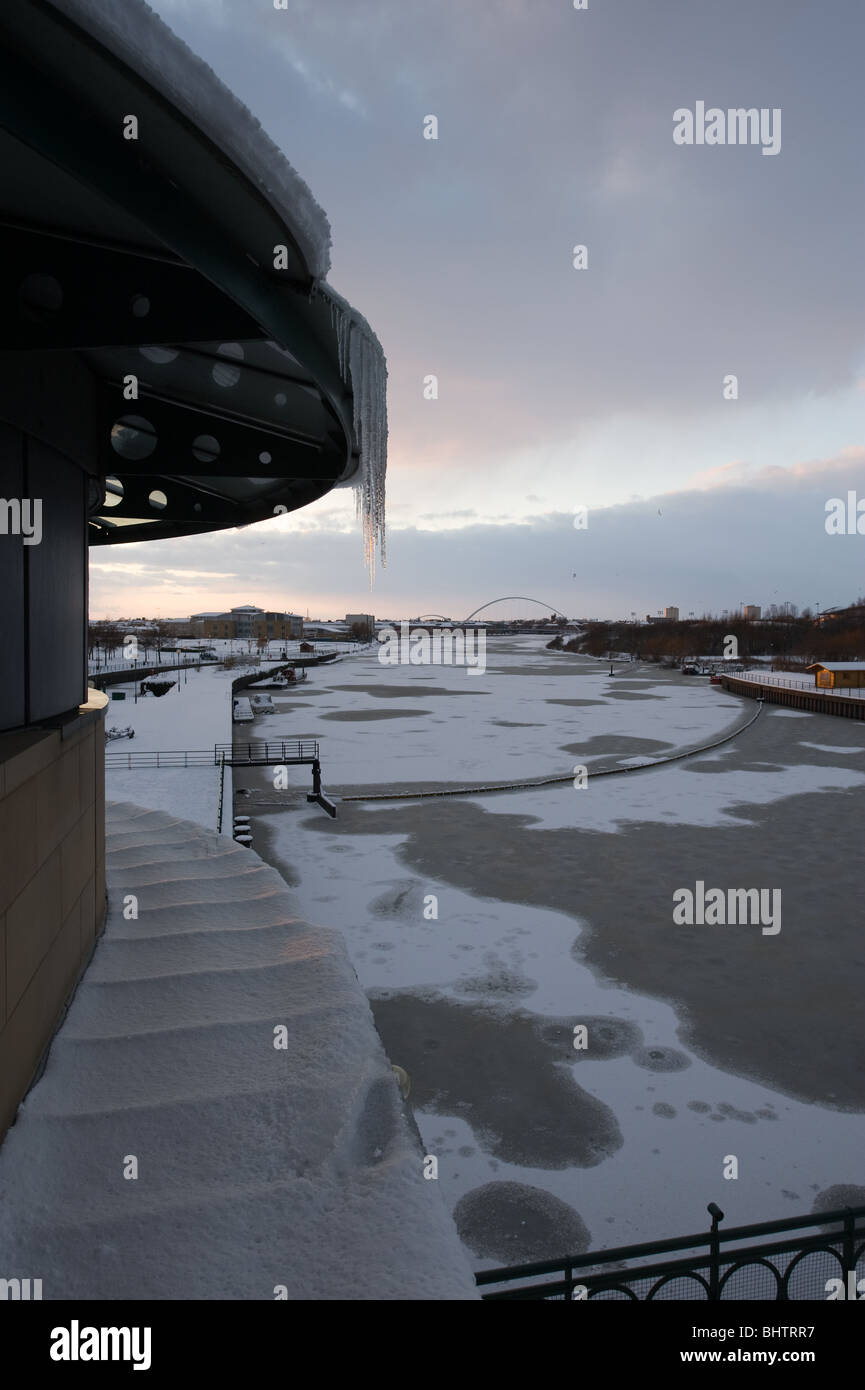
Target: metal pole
(715, 1252)
(849, 1249)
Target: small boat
(242, 713)
(281, 681)
(127, 732)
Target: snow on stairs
(259, 1168)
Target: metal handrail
(713, 1252)
(221, 796)
(233, 755)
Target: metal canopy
(220, 396)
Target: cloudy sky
(562, 388)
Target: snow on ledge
(132, 31)
(262, 1171)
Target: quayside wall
(815, 701)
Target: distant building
(671, 615)
(247, 622)
(325, 631)
(835, 675)
(752, 611)
(243, 616)
(364, 621)
(198, 622)
(287, 626)
(831, 613)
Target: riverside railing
(253, 753)
(819, 701)
(823, 1265)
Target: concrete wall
(52, 883)
(139, 673)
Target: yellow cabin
(836, 675)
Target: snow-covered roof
(136, 34)
(210, 193)
(837, 666)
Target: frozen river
(553, 908)
(487, 929)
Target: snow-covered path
(173, 1150)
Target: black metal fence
(254, 753)
(820, 1257)
(261, 752)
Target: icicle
(363, 368)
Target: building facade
(838, 675)
(285, 626)
(248, 623)
(362, 622)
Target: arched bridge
(512, 598)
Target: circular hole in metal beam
(160, 355)
(40, 297)
(227, 375)
(140, 306)
(113, 492)
(158, 500)
(133, 437)
(265, 457)
(205, 448)
(280, 398)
